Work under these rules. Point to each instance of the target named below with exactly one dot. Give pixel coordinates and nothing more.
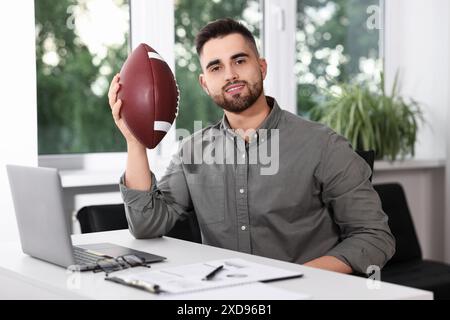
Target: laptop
(44, 226)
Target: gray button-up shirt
(297, 191)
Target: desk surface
(24, 277)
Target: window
(335, 42)
(190, 16)
(80, 44)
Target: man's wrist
(134, 145)
(330, 263)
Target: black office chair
(99, 218)
(407, 267)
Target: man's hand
(329, 263)
(138, 174)
(115, 105)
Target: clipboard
(191, 278)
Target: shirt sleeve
(153, 213)
(366, 238)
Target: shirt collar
(270, 122)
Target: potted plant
(372, 120)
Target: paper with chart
(190, 278)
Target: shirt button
(243, 228)
(241, 190)
(243, 156)
(262, 140)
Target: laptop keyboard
(85, 257)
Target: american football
(149, 95)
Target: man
(317, 208)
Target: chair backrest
(187, 229)
(99, 218)
(395, 205)
(369, 156)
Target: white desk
(23, 277)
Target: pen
(210, 275)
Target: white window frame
(279, 27)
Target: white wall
(417, 37)
(18, 127)
(417, 44)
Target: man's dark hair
(221, 28)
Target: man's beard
(239, 102)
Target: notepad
(190, 278)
